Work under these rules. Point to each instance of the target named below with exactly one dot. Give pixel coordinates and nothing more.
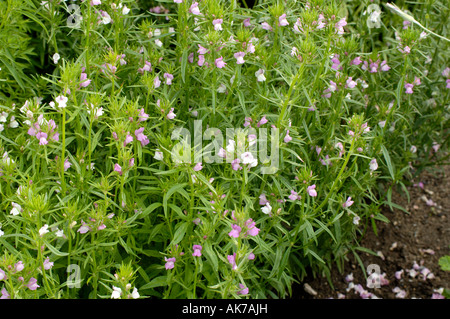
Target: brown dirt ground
(403, 241)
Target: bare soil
(422, 237)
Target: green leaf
(211, 255)
(444, 262)
(179, 233)
(156, 282)
(184, 59)
(389, 164)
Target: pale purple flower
(287, 138)
(247, 23)
(409, 87)
(416, 81)
(266, 26)
(336, 62)
(340, 26)
(201, 50)
(398, 274)
(32, 284)
(384, 67)
(178, 1)
(156, 82)
(171, 115)
(312, 190)
(263, 200)
(446, 72)
(194, 9)
(349, 277)
(348, 203)
(95, 2)
(48, 264)
(67, 164)
(5, 294)
(243, 291)
(399, 293)
(356, 61)
(2, 274)
(236, 230)
(262, 121)
(201, 60)
(282, 20)
(142, 115)
(198, 167)
(118, 168)
(235, 164)
(169, 78)
(217, 23)
(220, 63)
(239, 56)
(251, 228)
(373, 164)
(18, 267)
(141, 137)
(170, 262)
(42, 137)
(294, 195)
(232, 261)
(197, 250)
(84, 80)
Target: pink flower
(446, 72)
(142, 115)
(243, 291)
(294, 195)
(156, 82)
(141, 137)
(336, 62)
(47, 264)
(220, 63)
(118, 168)
(32, 284)
(247, 23)
(356, 61)
(169, 78)
(147, 67)
(348, 203)
(251, 229)
(287, 138)
(232, 261)
(67, 164)
(178, 1)
(312, 191)
(217, 23)
(236, 230)
(384, 67)
(416, 81)
(194, 9)
(5, 294)
(18, 267)
(170, 262)
(197, 250)
(239, 57)
(42, 137)
(84, 80)
(235, 164)
(409, 87)
(128, 139)
(350, 83)
(262, 121)
(201, 60)
(340, 26)
(282, 20)
(171, 115)
(263, 200)
(251, 256)
(266, 26)
(198, 167)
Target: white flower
(43, 230)
(16, 209)
(158, 42)
(135, 294)
(1, 232)
(356, 220)
(59, 233)
(247, 158)
(13, 123)
(116, 293)
(3, 117)
(266, 209)
(374, 21)
(222, 88)
(125, 10)
(373, 164)
(62, 101)
(230, 146)
(1, 127)
(56, 58)
(159, 156)
(260, 75)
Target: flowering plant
(135, 149)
